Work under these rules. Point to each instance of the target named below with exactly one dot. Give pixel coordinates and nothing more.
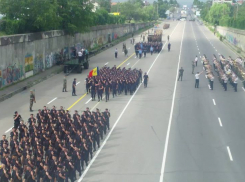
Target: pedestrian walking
(64, 84)
(193, 66)
(169, 46)
(146, 78)
(74, 83)
(197, 75)
(181, 71)
(196, 60)
(116, 53)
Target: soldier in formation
(53, 145)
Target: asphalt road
(167, 132)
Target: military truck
(75, 65)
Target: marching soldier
(64, 84)
(74, 87)
(107, 91)
(145, 80)
(32, 99)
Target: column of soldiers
(115, 81)
(209, 72)
(52, 146)
(147, 47)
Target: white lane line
(134, 64)
(214, 102)
(118, 119)
(229, 152)
(199, 53)
(128, 64)
(243, 89)
(216, 50)
(106, 63)
(52, 100)
(171, 114)
(88, 101)
(9, 129)
(206, 76)
(129, 48)
(77, 83)
(220, 123)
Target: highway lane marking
(171, 114)
(52, 100)
(9, 129)
(229, 152)
(134, 64)
(106, 63)
(88, 101)
(128, 64)
(243, 89)
(77, 83)
(86, 93)
(125, 60)
(118, 119)
(220, 123)
(214, 102)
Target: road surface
(168, 132)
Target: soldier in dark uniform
(64, 84)
(60, 174)
(32, 99)
(74, 87)
(181, 71)
(17, 119)
(93, 91)
(107, 91)
(100, 91)
(145, 80)
(69, 164)
(88, 82)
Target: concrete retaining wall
(24, 55)
(235, 37)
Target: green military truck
(74, 65)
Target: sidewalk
(18, 87)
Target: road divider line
(52, 100)
(125, 60)
(118, 119)
(88, 101)
(243, 89)
(229, 152)
(106, 63)
(9, 129)
(171, 114)
(77, 83)
(128, 64)
(134, 64)
(214, 102)
(220, 123)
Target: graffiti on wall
(114, 36)
(28, 62)
(51, 60)
(11, 74)
(231, 39)
(38, 63)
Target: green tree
(106, 4)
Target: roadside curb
(59, 70)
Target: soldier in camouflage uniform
(64, 85)
(32, 99)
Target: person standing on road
(144, 50)
(193, 66)
(181, 71)
(169, 46)
(168, 37)
(196, 59)
(197, 75)
(116, 53)
(93, 91)
(146, 77)
(32, 99)
(100, 92)
(64, 84)
(140, 53)
(74, 87)
(17, 119)
(211, 81)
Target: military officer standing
(74, 87)
(32, 99)
(181, 71)
(107, 91)
(145, 80)
(64, 84)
